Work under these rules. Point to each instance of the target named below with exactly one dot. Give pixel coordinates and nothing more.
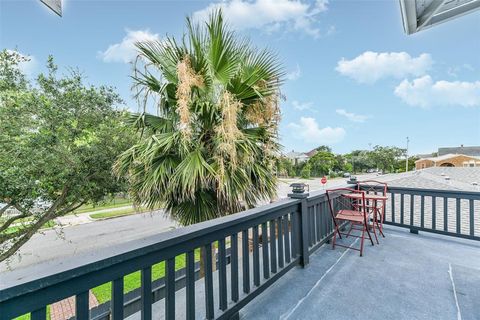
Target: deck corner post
(414, 230)
(302, 227)
(303, 224)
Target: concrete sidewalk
(81, 218)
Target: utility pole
(406, 155)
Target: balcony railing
(249, 250)
(447, 212)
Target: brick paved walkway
(65, 309)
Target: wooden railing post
(303, 223)
(302, 228)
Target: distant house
(448, 160)
(297, 157)
(426, 155)
(468, 151)
(450, 157)
(311, 153)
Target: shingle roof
(311, 153)
(446, 178)
(445, 157)
(468, 151)
(295, 155)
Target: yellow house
(448, 160)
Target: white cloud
(294, 75)
(424, 92)
(269, 15)
(302, 105)
(331, 30)
(454, 71)
(372, 66)
(352, 116)
(310, 131)
(125, 51)
(28, 66)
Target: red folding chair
(343, 210)
(377, 207)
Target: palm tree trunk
(202, 260)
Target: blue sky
(354, 78)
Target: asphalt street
(51, 246)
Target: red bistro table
(374, 209)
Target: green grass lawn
(132, 281)
(26, 219)
(49, 224)
(115, 213)
(114, 203)
(27, 316)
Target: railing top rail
(82, 265)
(317, 195)
(449, 193)
(186, 237)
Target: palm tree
(210, 150)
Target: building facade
(448, 160)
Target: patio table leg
(374, 222)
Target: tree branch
(30, 231)
(2, 211)
(11, 235)
(33, 228)
(13, 219)
(21, 209)
(70, 208)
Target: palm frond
(232, 103)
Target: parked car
(346, 174)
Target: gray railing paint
(430, 197)
(287, 232)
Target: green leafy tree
(348, 167)
(212, 145)
(285, 167)
(306, 171)
(339, 163)
(360, 160)
(385, 158)
(59, 140)
(400, 164)
(324, 149)
(322, 163)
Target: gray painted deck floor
(407, 276)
